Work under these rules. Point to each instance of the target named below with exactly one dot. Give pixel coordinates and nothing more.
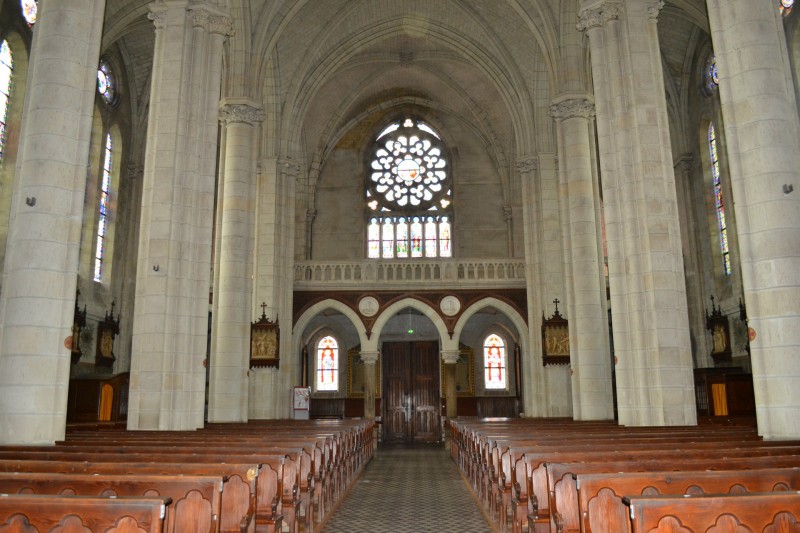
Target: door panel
(411, 375)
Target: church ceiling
(494, 63)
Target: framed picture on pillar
(264, 342)
(555, 339)
(465, 372)
(356, 374)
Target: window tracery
(106, 84)
(408, 193)
(494, 362)
(327, 364)
(29, 10)
(6, 77)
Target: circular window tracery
(106, 85)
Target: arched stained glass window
(327, 364)
(494, 362)
(408, 193)
(29, 8)
(6, 72)
(718, 201)
(785, 6)
(106, 84)
(103, 209)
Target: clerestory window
(409, 193)
(6, 74)
(718, 201)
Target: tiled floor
(409, 489)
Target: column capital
(369, 358)
(230, 113)
(450, 357)
(212, 22)
(527, 163)
(508, 212)
(653, 8)
(572, 108)
(598, 14)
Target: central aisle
(409, 489)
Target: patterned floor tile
(409, 489)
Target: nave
(409, 489)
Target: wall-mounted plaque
(264, 342)
(555, 339)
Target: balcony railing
(423, 273)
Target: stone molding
(158, 17)
(684, 162)
(573, 108)
(654, 8)
(241, 113)
(508, 213)
(527, 164)
(597, 16)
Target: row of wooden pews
(262, 476)
(559, 475)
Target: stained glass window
(786, 6)
(408, 193)
(102, 219)
(328, 364)
(711, 75)
(106, 85)
(6, 72)
(494, 362)
(29, 8)
(718, 201)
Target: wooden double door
(411, 404)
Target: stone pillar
(274, 279)
(655, 383)
(590, 351)
(41, 263)
(761, 132)
(370, 386)
(450, 358)
(229, 362)
(533, 379)
(170, 326)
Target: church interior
(535, 208)
(397, 219)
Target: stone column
(450, 358)
(655, 384)
(233, 293)
(761, 132)
(370, 386)
(41, 263)
(170, 326)
(590, 351)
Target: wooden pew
(601, 509)
(196, 500)
(759, 512)
(238, 503)
(38, 512)
(565, 514)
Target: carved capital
(369, 358)
(576, 107)
(654, 8)
(527, 164)
(450, 357)
(508, 213)
(597, 16)
(135, 171)
(158, 16)
(243, 113)
(212, 22)
(311, 214)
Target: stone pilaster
(41, 262)
(229, 360)
(761, 128)
(170, 326)
(580, 208)
(648, 298)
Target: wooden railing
(439, 273)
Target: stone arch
(398, 306)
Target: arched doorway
(411, 382)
